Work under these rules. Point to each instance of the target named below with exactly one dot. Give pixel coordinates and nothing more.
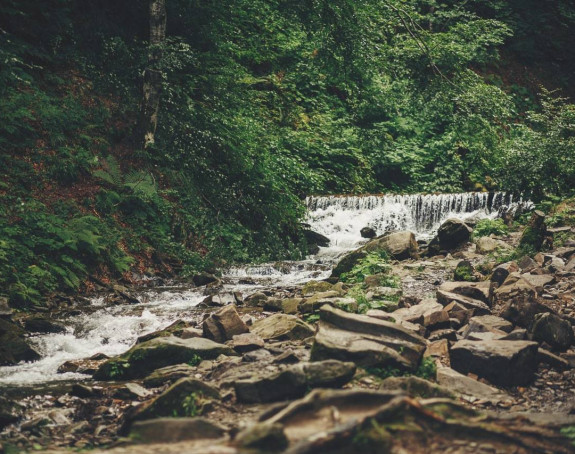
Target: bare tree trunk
(152, 75)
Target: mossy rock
(148, 356)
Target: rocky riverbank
(387, 355)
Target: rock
(476, 306)
(183, 398)
(367, 232)
(221, 299)
(554, 264)
(175, 329)
(315, 239)
(553, 330)
(505, 363)
(527, 264)
(263, 437)
(13, 346)
(146, 357)
(294, 381)
(173, 430)
(290, 305)
(538, 281)
(501, 272)
(482, 291)
(190, 333)
(257, 299)
(312, 287)
(310, 306)
(365, 340)
(131, 391)
(282, 327)
(546, 357)
(453, 233)
(416, 313)
(81, 366)
(534, 233)
(399, 245)
(202, 279)
(464, 272)
(273, 305)
(43, 325)
(224, 324)
(10, 412)
(82, 391)
(246, 342)
(415, 387)
(438, 349)
(435, 319)
(487, 245)
(5, 310)
(168, 374)
(519, 300)
(487, 324)
(463, 385)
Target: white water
(114, 329)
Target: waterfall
(341, 218)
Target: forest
(261, 104)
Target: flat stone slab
(467, 386)
(502, 362)
(367, 341)
(173, 430)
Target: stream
(114, 329)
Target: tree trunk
(152, 84)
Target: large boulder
(367, 232)
(502, 362)
(367, 341)
(553, 330)
(13, 345)
(453, 233)
(399, 245)
(294, 381)
(315, 240)
(148, 356)
(224, 324)
(282, 327)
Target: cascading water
(340, 218)
(113, 329)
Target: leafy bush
(486, 227)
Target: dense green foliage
(263, 102)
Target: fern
(111, 172)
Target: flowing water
(114, 329)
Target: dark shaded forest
(261, 104)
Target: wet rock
(224, 324)
(282, 327)
(257, 299)
(505, 363)
(365, 340)
(466, 386)
(175, 329)
(294, 381)
(221, 299)
(202, 279)
(146, 357)
(553, 330)
(43, 325)
(368, 232)
(168, 374)
(315, 239)
(453, 233)
(243, 343)
(399, 245)
(10, 412)
(415, 387)
(183, 398)
(312, 287)
(173, 430)
(13, 346)
(82, 391)
(263, 437)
